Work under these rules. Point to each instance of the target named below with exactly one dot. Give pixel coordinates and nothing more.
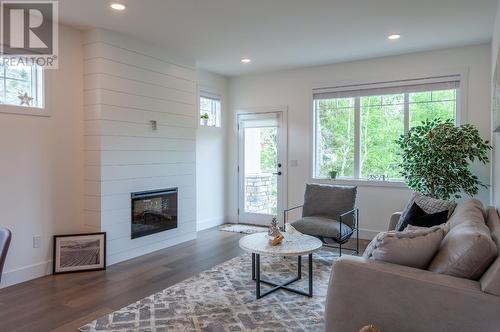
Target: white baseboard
(26, 273)
(209, 223)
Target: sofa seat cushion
(325, 227)
(466, 251)
(428, 205)
(414, 247)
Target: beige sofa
(399, 298)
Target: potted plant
(204, 119)
(436, 157)
(333, 172)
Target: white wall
(211, 158)
(42, 168)
(128, 83)
(293, 88)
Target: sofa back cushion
(467, 249)
(490, 281)
(470, 210)
(330, 202)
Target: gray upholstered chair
(329, 213)
(5, 236)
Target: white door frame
(283, 152)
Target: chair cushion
(428, 204)
(329, 201)
(466, 251)
(319, 226)
(414, 247)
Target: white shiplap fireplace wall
(128, 84)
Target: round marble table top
(292, 244)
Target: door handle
(277, 173)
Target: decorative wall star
(25, 99)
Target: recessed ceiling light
(246, 60)
(394, 36)
(118, 6)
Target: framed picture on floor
(79, 252)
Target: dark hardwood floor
(67, 301)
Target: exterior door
(261, 167)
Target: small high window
(210, 110)
(21, 86)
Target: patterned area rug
(223, 299)
(241, 228)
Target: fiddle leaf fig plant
(436, 156)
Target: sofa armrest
(394, 220)
(399, 298)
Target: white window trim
(207, 92)
(461, 118)
(43, 111)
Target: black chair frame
(344, 239)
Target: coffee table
(292, 245)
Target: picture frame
(79, 252)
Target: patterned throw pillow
(428, 204)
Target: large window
(21, 86)
(210, 110)
(356, 127)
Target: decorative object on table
(204, 119)
(274, 230)
(24, 99)
(329, 213)
(369, 328)
(436, 157)
(79, 252)
(276, 240)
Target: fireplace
(153, 211)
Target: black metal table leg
(253, 266)
(257, 283)
(258, 280)
(310, 275)
(299, 267)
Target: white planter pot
(204, 122)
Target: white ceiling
(279, 34)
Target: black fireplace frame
(146, 194)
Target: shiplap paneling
(127, 84)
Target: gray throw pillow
(414, 247)
(428, 204)
(466, 251)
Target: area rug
(242, 228)
(223, 299)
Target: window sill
(362, 183)
(24, 110)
